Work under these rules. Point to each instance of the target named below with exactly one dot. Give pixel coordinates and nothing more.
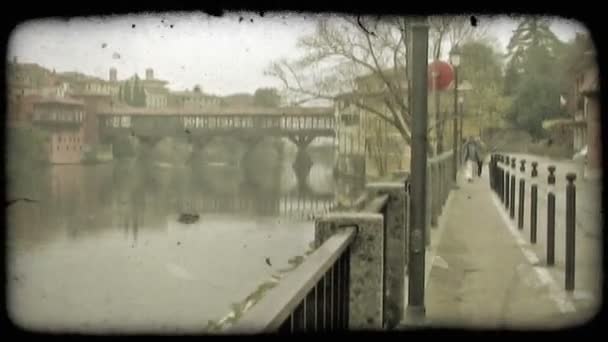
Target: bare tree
(446, 32)
(344, 48)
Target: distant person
(472, 156)
(481, 149)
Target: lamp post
(455, 60)
(461, 121)
(417, 247)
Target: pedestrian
(480, 149)
(471, 157)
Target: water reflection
(103, 244)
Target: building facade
(365, 140)
(63, 120)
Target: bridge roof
(124, 110)
(59, 100)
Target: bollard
(507, 185)
(502, 179)
(522, 192)
(551, 217)
(512, 190)
(491, 172)
(533, 203)
(570, 230)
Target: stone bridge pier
(147, 145)
(199, 142)
(303, 162)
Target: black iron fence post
(570, 230)
(501, 178)
(507, 181)
(491, 172)
(522, 192)
(512, 190)
(533, 203)
(551, 217)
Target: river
(102, 250)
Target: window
(350, 119)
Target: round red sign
(441, 75)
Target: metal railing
(439, 185)
(313, 297)
(355, 278)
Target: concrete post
(366, 301)
(394, 261)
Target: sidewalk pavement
(482, 275)
(588, 237)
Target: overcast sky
(223, 55)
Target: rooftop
(60, 100)
(232, 110)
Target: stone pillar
(395, 241)
(366, 265)
(198, 145)
(147, 144)
(303, 162)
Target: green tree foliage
(121, 93)
(481, 66)
(266, 97)
(536, 99)
(127, 94)
(26, 152)
(26, 145)
(531, 32)
(132, 92)
(139, 96)
(533, 75)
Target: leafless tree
(448, 31)
(342, 48)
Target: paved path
(485, 275)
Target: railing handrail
(273, 309)
(376, 204)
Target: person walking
(481, 155)
(471, 157)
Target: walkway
(485, 274)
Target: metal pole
(570, 230)
(507, 180)
(522, 191)
(461, 114)
(420, 31)
(455, 127)
(533, 203)
(501, 178)
(512, 190)
(551, 217)
(491, 172)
